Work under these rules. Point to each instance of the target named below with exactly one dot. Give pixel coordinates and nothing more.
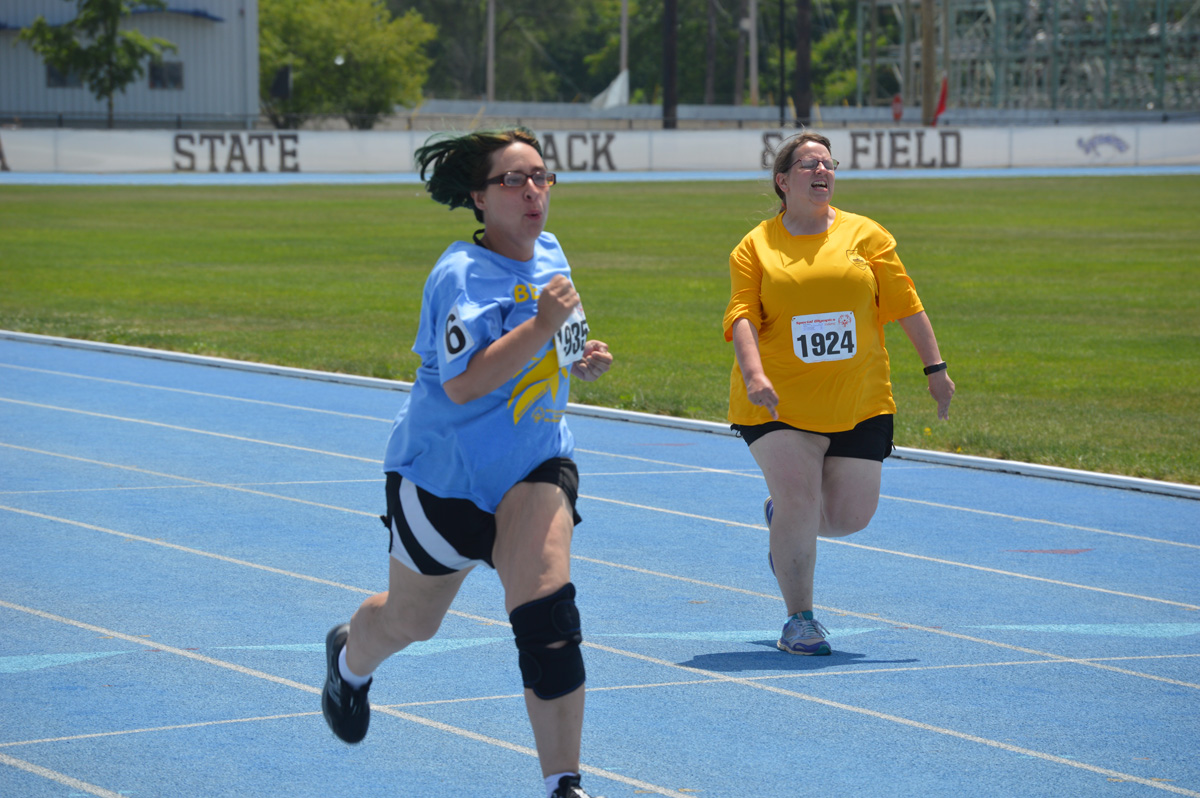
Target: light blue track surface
(176, 538)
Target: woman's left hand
(941, 388)
(595, 361)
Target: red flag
(941, 106)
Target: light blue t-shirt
(480, 449)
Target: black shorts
(869, 440)
(437, 536)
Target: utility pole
(782, 71)
(624, 35)
(491, 51)
(754, 52)
(803, 87)
(928, 60)
(670, 106)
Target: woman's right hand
(761, 392)
(555, 303)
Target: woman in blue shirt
(479, 462)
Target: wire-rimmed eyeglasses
(519, 179)
(812, 163)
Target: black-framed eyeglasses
(519, 179)
(812, 163)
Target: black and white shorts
(437, 536)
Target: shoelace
(806, 629)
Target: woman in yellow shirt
(810, 391)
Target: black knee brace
(549, 672)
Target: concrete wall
(247, 151)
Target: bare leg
(813, 496)
(410, 609)
(533, 558)
(850, 495)
(792, 463)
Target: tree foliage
(93, 46)
(349, 58)
(569, 50)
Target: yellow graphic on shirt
(537, 382)
(857, 259)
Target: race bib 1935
(571, 337)
(822, 337)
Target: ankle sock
(807, 615)
(348, 676)
(552, 781)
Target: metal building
(210, 80)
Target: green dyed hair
(461, 162)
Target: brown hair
(461, 163)
(785, 157)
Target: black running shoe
(346, 709)
(568, 787)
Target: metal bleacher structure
(1048, 57)
(1005, 61)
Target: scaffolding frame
(1094, 55)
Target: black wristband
(935, 368)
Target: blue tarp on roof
(199, 13)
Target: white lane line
(1059, 582)
(155, 729)
(61, 778)
(192, 482)
(626, 504)
(689, 469)
(871, 713)
(270, 677)
(904, 499)
(658, 574)
(1044, 522)
(880, 619)
(938, 560)
(192, 430)
(620, 652)
(201, 394)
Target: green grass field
(1067, 308)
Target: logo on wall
(890, 149)
(237, 152)
(580, 152)
(1092, 146)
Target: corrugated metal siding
(220, 63)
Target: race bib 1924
(822, 337)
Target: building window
(166, 75)
(58, 80)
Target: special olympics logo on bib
(845, 320)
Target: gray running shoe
(802, 636)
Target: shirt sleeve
(745, 295)
(897, 294)
(454, 324)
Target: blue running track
(177, 534)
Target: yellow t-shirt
(819, 303)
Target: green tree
(349, 58)
(539, 47)
(93, 46)
(569, 50)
